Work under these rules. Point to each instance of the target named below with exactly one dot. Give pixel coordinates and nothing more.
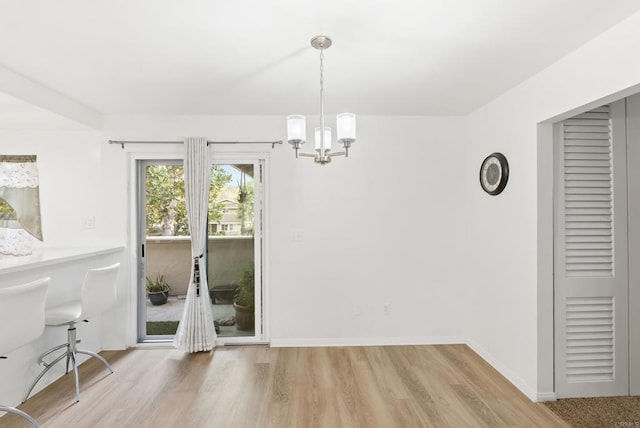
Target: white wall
(70, 182)
(508, 269)
(73, 188)
(383, 226)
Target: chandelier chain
(322, 142)
(321, 69)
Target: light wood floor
(258, 386)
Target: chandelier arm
(334, 154)
(309, 155)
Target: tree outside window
(166, 212)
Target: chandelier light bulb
(346, 127)
(296, 128)
(327, 138)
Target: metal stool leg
(19, 413)
(45, 353)
(70, 346)
(71, 355)
(66, 369)
(42, 373)
(98, 356)
(74, 363)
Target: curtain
(20, 216)
(196, 331)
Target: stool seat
(64, 313)
(99, 293)
(22, 320)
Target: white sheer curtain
(196, 331)
(20, 219)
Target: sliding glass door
(234, 249)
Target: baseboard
(114, 347)
(516, 380)
(373, 341)
(547, 396)
(153, 345)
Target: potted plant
(244, 301)
(158, 290)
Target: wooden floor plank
(259, 386)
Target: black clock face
(494, 173)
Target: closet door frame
(591, 346)
(633, 174)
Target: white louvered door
(591, 258)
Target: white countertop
(48, 256)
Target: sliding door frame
(261, 159)
(141, 260)
(258, 245)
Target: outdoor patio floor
(172, 311)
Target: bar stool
(99, 292)
(22, 320)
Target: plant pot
(245, 317)
(159, 297)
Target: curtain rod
(122, 143)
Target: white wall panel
(503, 280)
(383, 226)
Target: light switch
(89, 222)
(297, 235)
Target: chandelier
(346, 122)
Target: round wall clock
(494, 173)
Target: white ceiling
(243, 57)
